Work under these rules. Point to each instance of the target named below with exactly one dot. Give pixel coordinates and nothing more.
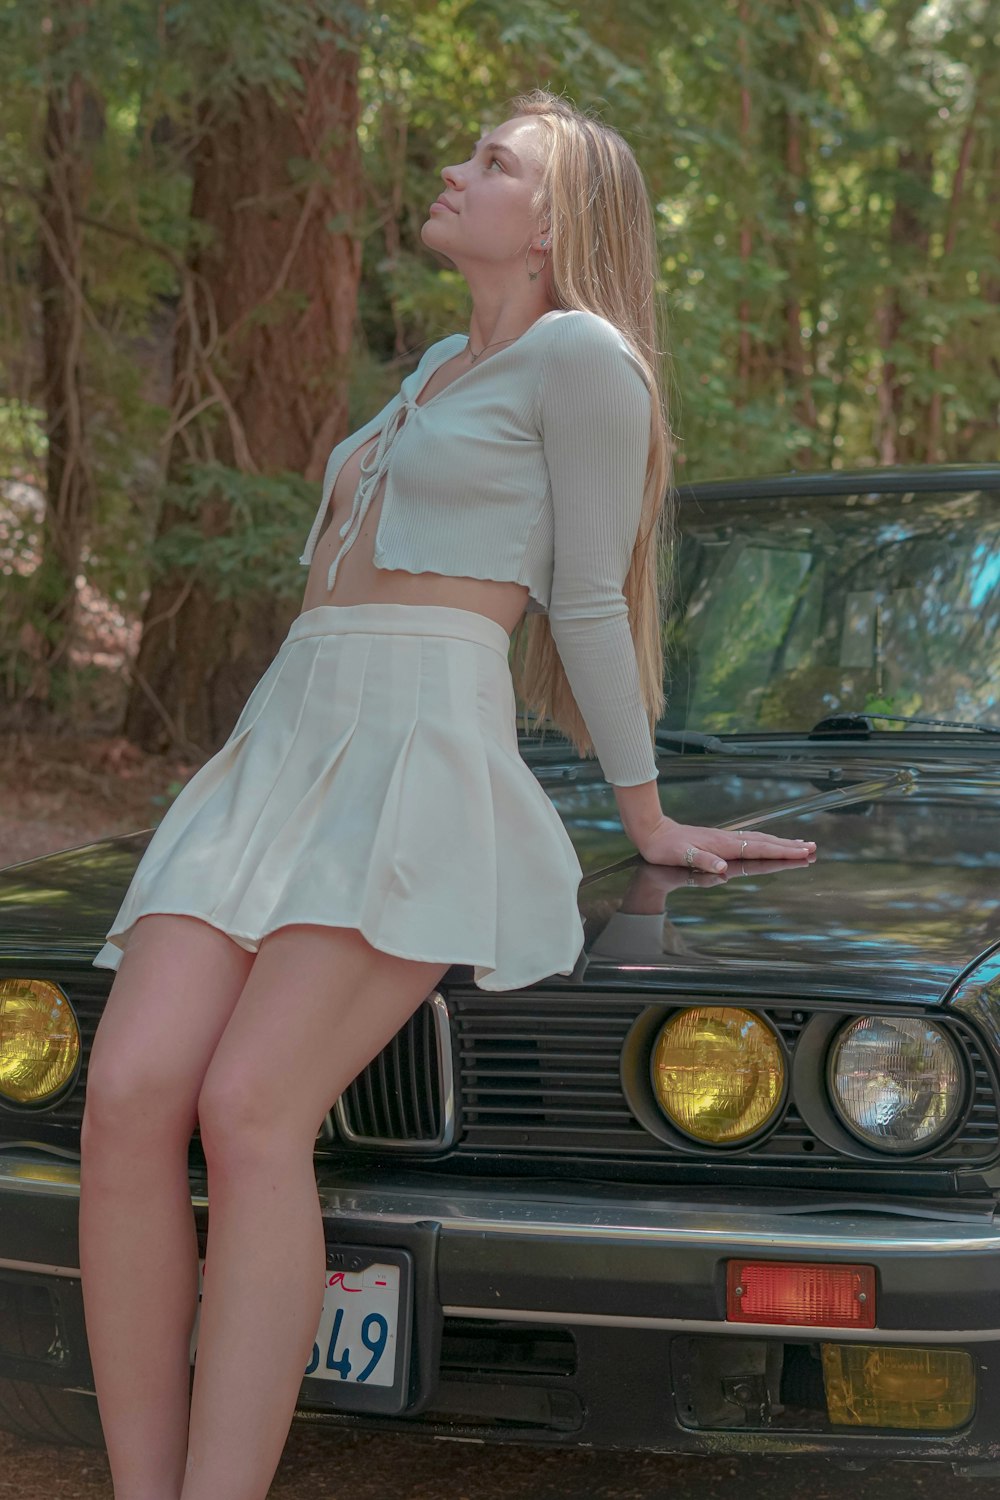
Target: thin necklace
(474, 357)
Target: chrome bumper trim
(588, 1216)
(71, 1272)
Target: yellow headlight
(39, 1040)
(872, 1385)
(718, 1073)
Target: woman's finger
(750, 845)
(705, 860)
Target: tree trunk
(275, 384)
(909, 240)
(745, 359)
(935, 452)
(985, 424)
(72, 119)
(795, 364)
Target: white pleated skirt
(373, 781)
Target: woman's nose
(452, 176)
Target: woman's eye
(495, 161)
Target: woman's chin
(430, 243)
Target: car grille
(536, 1076)
(542, 1076)
(404, 1097)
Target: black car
(733, 1184)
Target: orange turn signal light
(812, 1296)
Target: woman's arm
(594, 408)
(593, 411)
(639, 810)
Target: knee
(125, 1103)
(114, 1098)
(238, 1117)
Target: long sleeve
(594, 412)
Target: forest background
(211, 271)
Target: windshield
(789, 610)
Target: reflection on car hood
(61, 905)
(903, 896)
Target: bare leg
(138, 1253)
(174, 991)
(320, 1003)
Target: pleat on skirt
(373, 781)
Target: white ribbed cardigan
(527, 468)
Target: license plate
(357, 1334)
(362, 1345)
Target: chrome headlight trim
(909, 1028)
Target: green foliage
(232, 46)
(256, 532)
(823, 180)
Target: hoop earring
(534, 275)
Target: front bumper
(581, 1316)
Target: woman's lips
(443, 203)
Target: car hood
(60, 905)
(902, 898)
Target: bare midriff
(359, 581)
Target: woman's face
(484, 213)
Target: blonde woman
(369, 821)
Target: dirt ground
(324, 1465)
(57, 792)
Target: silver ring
(742, 848)
(689, 856)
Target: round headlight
(718, 1073)
(39, 1040)
(896, 1081)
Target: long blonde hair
(604, 260)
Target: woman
(369, 822)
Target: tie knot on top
(373, 468)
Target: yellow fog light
(868, 1385)
(39, 1040)
(718, 1073)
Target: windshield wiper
(683, 740)
(835, 726)
(857, 724)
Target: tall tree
(260, 373)
(73, 120)
(825, 181)
(909, 234)
(934, 452)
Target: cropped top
(527, 468)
